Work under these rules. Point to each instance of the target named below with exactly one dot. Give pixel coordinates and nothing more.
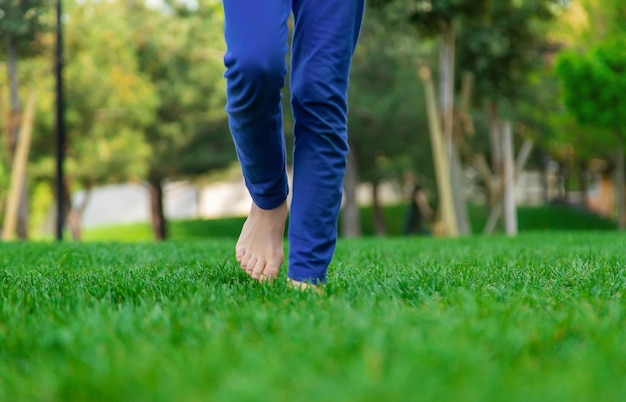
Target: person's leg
(325, 36)
(256, 38)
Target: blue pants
(325, 35)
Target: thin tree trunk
(494, 207)
(497, 190)
(67, 200)
(545, 179)
(5, 118)
(508, 200)
(350, 222)
(446, 83)
(75, 216)
(584, 185)
(380, 226)
(22, 215)
(440, 159)
(157, 214)
(446, 61)
(620, 185)
(566, 182)
(494, 138)
(18, 172)
(460, 204)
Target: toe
(252, 262)
(246, 262)
(258, 269)
(272, 267)
(240, 252)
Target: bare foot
(259, 249)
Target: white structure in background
(130, 203)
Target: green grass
(537, 318)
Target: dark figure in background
(418, 211)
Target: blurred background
(466, 117)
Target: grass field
(537, 318)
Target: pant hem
(268, 203)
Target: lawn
(537, 318)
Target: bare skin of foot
(259, 249)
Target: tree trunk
(157, 214)
(446, 62)
(18, 172)
(5, 118)
(566, 182)
(620, 185)
(22, 215)
(545, 181)
(440, 159)
(380, 226)
(350, 222)
(584, 185)
(495, 145)
(75, 216)
(508, 200)
(460, 205)
(494, 138)
(446, 84)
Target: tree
(109, 104)
(577, 149)
(440, 18)
(594, 85)
(384, 116)
(21, 21)
(189, 135)
(503, 49)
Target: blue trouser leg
(325, 35)
(256, 38)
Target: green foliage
(109, 102)
(540, 317)
(501, 44)
(590, 22)
(584, 25)
(189, 134)
(387, 124)
(144, 94)
(503, 47)
(431, 16)
(594, 84)
(21, 21)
